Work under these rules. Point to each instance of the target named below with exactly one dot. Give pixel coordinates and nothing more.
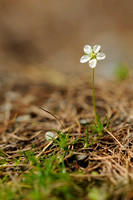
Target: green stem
(94, 95)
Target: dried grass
(111, 156)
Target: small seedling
(99, 126)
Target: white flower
(92, 55)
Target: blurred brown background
(45, 36)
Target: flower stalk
(94, 106)
(92, 55)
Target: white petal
(101, 56)
(49, 135)
(93, 63)
(96, 48)
(87, 49)
(84, 59)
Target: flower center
(93, 55)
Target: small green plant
(122, 71)
(62, 143)
(30, 157)
(96, 127)
(99, 126)
(48, 180)
(63, 140)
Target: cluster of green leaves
(122, 71)
(43, 179)
(97, 128)
(47, 180)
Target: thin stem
(94, 95)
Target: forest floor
(85, 159)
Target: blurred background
(44, 40)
